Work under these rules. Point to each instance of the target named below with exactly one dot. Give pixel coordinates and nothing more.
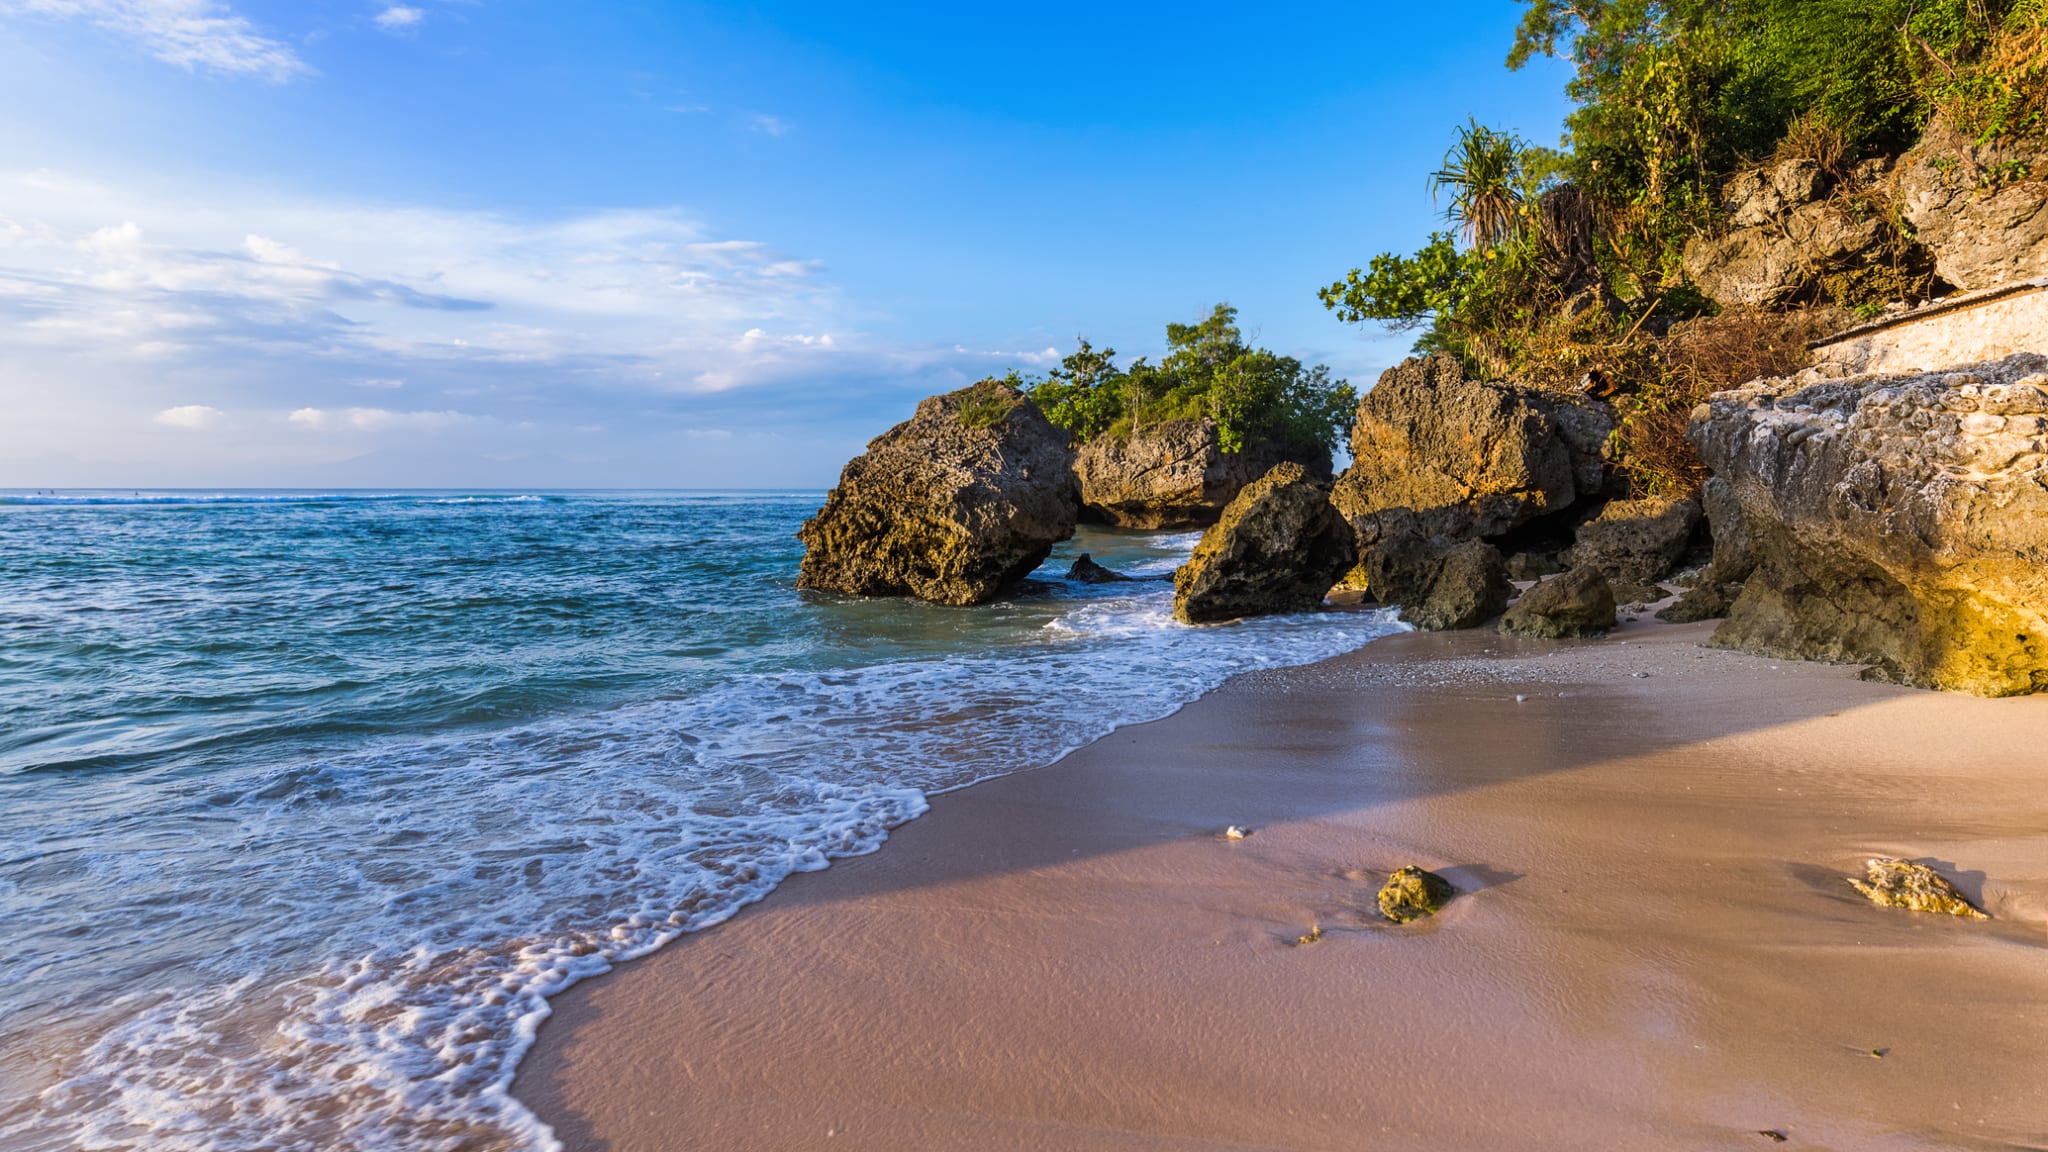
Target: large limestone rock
(953, 505)
(1637, 541)
(1175, 474)
(1983, 232)
(1734, 559)
(1279, 547)
(1578, 604)
(1470, 587)
(1450, 459)
(1896, 521)
(1788, 239)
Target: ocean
(309, 800)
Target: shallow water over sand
(310, 800)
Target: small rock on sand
(1904, 884)
(1412, 893)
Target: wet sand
(1655, 947)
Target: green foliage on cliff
(1254, 395)
(1672, 97)
(1558, 263)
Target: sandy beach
(1654, 946)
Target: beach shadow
(1409, 717)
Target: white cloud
(374, 419)
(189, 416)
(397, 16)
(128, 312)
(192, 34)
(772, 125)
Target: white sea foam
(485, 873)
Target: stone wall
(1966, 329)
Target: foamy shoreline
(1655, 947)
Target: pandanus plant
(1483, 174)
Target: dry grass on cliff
(1695, 360)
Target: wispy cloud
(193, 34)
(772, 125)
(399, 16)
(374, 419)
(189, 416)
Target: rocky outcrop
(1984, 229)
(1899, 522)
(1412, 893)
(1084, 570)
(1175, 474)
(1891, 883)
(1279, 547)
(1444, 458)
(1578, 604)
(1734, 555)
(1470, 587)
(953, 505)
(1637, 541)
(1789, 239)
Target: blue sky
(510, 243)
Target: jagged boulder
(1175, 474)
(955, 504)
(1579, 604)
(1706, 600)
(1789, 238)
(1402, 567)
(1471, 587)
(1734, 556)
(1279, 547)
(1637, 541)
(1084, 570)
(1734, 559)
(1444, 458)
(1899, 522)
(1984, 230)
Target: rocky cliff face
(1984, 228)
(1788, 238)
(1445, 458)
(955, 504)
(1175, 474)
(1900, 522)
(1279, 547)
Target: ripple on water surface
(310, 800)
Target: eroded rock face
(1578, 604)
(1787, 238)
(1470, 587)
(1449, 459)
(1983, 233)
(1900, 522)
(953, 505)
(1175, 474)
(1637, 541)
(1279, 547)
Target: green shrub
(1253, 394)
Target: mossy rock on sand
(1904, 884)
(1412, 893)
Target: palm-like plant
(1483, 172)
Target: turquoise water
(309, 800)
